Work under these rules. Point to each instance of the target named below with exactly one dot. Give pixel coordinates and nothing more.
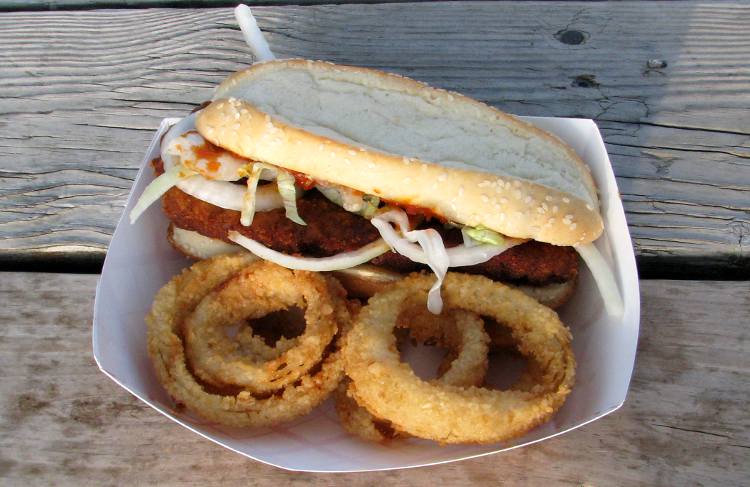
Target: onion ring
(462, 332)
(218, 359)
(452, 414)
(231, 406)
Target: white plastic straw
(252, 34)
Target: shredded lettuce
(371, 204)
(364, 205)
(158, 187)
(253, 173)
(288, 192)
(483, 235)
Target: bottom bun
(361, 281)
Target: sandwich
(371, 175)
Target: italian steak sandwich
(370, 175)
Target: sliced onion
(320, 264)
(288, 192)
(252, 34)
(185, 125)
(218, 193)
(158, 187)
(431, 249)
(460, 256)
(438, 260)
(224, 167)
(604, 278)
(200, 246)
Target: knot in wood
(571, 37)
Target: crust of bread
(513, 206)
(196, 246)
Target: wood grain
(685, 421)
(80, 93)
(15, 5)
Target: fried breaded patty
(331, 230)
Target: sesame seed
(549, 198)
(460, 190)
(485, 198)
(244, 111)
(442, 177)
(352, 153)
(504, 201)
(568, 217)
(484, 184)
(320, 146)
(236, 115)
(589, 207)
(555, 209)
(573, 226)
(527, 200)
(566, 200)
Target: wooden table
(82, 89)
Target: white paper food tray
(140, 261)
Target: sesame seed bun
(407, 143)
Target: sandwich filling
(298, 222)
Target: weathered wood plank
(685, 422)
(15, 5)
(80, 93)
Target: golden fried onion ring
(232, 406)
(255, 292)
(461, 332)
(451, 414)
